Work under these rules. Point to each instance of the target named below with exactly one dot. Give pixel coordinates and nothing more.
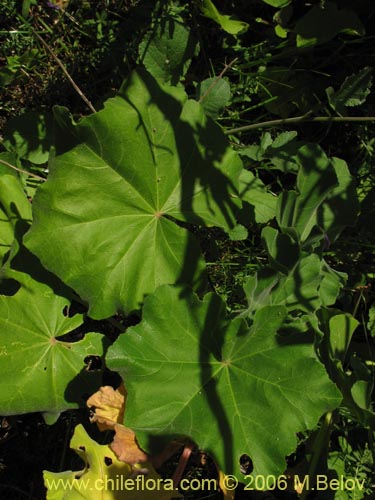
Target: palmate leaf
(195, 372)
(39, 372)
(104, 220)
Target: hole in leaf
(9, 287)
(82, 448)
(92, 363)
(66, 311)
(246, 464)
(108, 461)
(73, 336)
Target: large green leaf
(40, 372)
(192, 371)
(103, 222)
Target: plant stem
(3, 162)
(320, 443)
(65, 71)
(301, 119)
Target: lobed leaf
(104, 477)
(219, 382)
(39, 371)
(109, 208)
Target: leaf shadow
(200, 146)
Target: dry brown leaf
(108, 406)
(125, 446)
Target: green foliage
(29, 136)
(15, 210)
(162, 163)
(51, 371)
(214, 94)
(219, 368)
(353, 91)
(146, 203)
(102, 468)
(167, 51)
(227, 23)
(325, 21)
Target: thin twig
(300, 119)
(3, 162)
(219, 77)
(65, 71)
(181, 466)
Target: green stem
(319, 445)
(9, 165)
(301, 119)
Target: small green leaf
(166, 52)
(30, 136)
(214, 94)
(371, 320)
(278, 3)
(361, 393)
(283, 139)
(341, 329)
(239, 232)
(197, 373)
(227, 23)
(15, 209)
(298, 290)
(297, 212)
(331, 284)
(254, 192)
(282, 251)
(341, 207)
(353, 92)
(281, 32)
